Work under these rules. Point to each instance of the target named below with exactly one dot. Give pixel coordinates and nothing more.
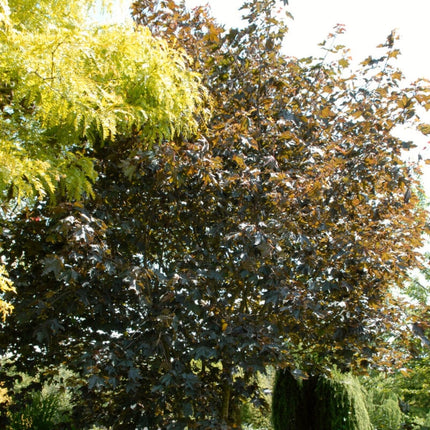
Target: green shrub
(385, 414)
(286, 402)
(320, 403)
(254, 418)
(42, 412)
(38, 405)
(340, 404)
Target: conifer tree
(287, 402)
(319, 403)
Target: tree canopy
(65, 87)
(272, 234)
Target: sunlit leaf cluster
(64, 89)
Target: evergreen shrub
(286, 401)
(319, 403)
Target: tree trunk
(226, 394)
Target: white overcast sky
(368, 23)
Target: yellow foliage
(4, 397)
(65, 84)
(5, 285)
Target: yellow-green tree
(66, 84)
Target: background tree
(273, 236)
(399, 398)
(410, 385)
